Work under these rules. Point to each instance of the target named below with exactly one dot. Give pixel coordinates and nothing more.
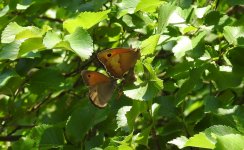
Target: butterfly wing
(100, 86)
(118, 61)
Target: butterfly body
(100, 86)
(118, 61)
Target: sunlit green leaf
(179, 141)
(233, 33)
(200, 140)
(9, 33)
(148, 46)
(165, 11)
(127, 6)
(148, 5)
(183, 44)
(4, 11)
(85, 20)
(81, 43)
(121, 118)
(32, 44)
(51, 39)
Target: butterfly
(101, 87)
(118, 61)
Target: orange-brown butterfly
(118, 61)
(100, 86)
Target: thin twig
(10, 138)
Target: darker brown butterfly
(100, 86)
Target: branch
(19, 127)
(10, 138)
(37, 106)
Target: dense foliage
(188, 89)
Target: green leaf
(82, 120)
(45, 79)
(179, 142)
(183, 44)
(29, 32)
(32, 44)
(167, 106)
(127, 6)
(231, 80)
(212, 18)
(4, 11)
(121, 118)
(111, 148)
(232, 34)
(219, 130)
(131, 115)
(200, 140)
(236, 59)
(143, 137)
(36, 134)
(15, 32)
(10, 51)
(124, 147)
(211, 104)
(148, 89)
(85, 20)
(200, 12)
(9, 82)
(9, 33)
(148, 5)
(198, 45)
(231, 141)
(51, 39)
(145, 92)
(23, 144)
(81, 43)
(148, 46)
(189, 84)
(163, 16)
(51, 138)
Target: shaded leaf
(143, 137)
(82, 120)
(52, 137)
(10, 51)
(9, 82)
(45, 79)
